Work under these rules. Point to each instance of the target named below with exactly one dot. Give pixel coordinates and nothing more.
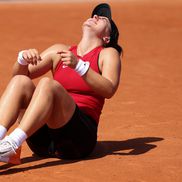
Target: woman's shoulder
(109, 52)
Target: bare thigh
(63, 104)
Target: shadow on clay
(136, 146)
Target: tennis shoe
(9, 152)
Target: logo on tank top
(64, 66)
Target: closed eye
(106, 20)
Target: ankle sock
(3, 131)
(18, 136)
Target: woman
(62, 114)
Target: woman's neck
(88, 43)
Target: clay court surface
(140, 131)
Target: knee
(48, 85)
(22, 81)
(45, 84)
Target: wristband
(20, 59)
(82, 67)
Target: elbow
(110, 92)
(108, 96)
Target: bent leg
(50, 104)
(16, 96)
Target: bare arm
(107, 83)
(38, 64)
(110, 65)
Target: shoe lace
(6, 144)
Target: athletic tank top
(86, 99)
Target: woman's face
(100, 24)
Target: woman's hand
(68, 58)
(31, 56)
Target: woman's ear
(106, 40)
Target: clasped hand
(68, 58)
(31, 56)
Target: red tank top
(86, 99)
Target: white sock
(3, 131)
(18, 136)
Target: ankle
(18, 136)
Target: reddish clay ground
(140, 130)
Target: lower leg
(38, 112)
(16, 96)
(35, 116)
(50, 104)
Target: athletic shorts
(74, 140)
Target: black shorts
(74, 140)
